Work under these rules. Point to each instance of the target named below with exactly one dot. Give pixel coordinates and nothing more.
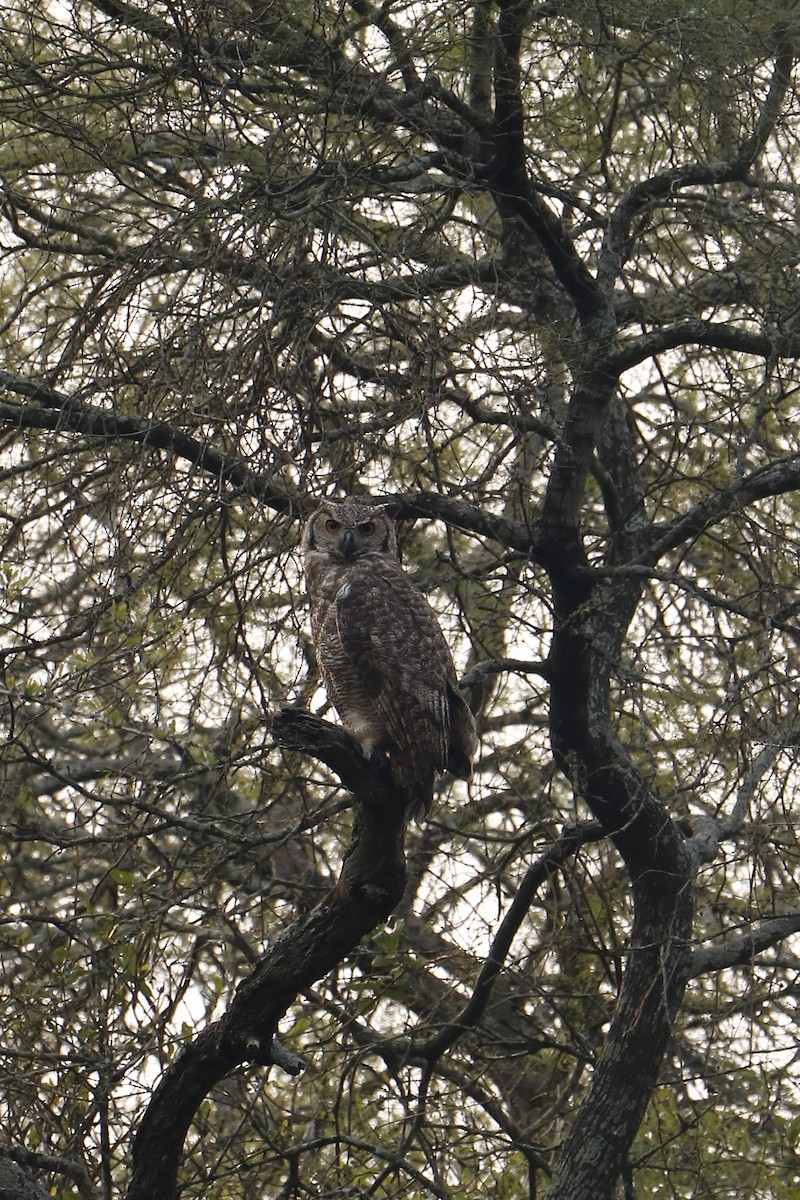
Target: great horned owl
(383, 657)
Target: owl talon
(373, 754)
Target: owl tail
(458, 763)
(462, 743)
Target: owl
(384, 660)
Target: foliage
(532, 269)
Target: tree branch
(371, 883)
(773, 479)
(755, 145)
(718, 335)
(537, 874)
(61, 413)
(467, 517)
(507, 175)
(741, 950)
(616, 244)
(589, 627)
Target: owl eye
(367, 527)
(333, 526)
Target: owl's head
(344, 530)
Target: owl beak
(347, 544)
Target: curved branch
(537, 874)
(61, 413)
(741, 950)
(141, 20)
(594, 1153)
(616, 245)
(771, 480)
(370, 885)
(467, 517)
(590, 624)
(718, 335)
(507, 176)
(755, 145)
(497, 666)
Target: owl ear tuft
(392, 508)
(309, 504)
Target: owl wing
(392, 637)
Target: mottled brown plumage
(386, 665)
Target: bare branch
(741, 950)
(773, 479)
(371, 883)
(61, 413)
(666, 184)
(494, 666)
(507, 174)
(537, 874)
(716, 334)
